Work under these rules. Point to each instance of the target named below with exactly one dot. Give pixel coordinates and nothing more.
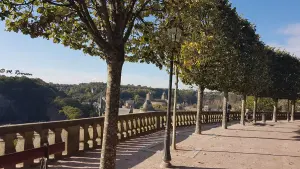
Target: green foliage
(29, 99)
(263, 104)
(71, 112)
(82, 93)
(159, 108)
(284, 70)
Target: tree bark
(293, 110)
(288, 111)
(243, 110)
(174, 110)
(254, 109)
(275, 110)
(108, 151)
(225, 100)
(199, 109)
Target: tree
(98, 28)
(71, 112)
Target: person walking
(228, 111)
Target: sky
(277, 22)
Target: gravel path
(270, 146)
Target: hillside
(24, 100)
(83, 92)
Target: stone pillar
(254, 109)
(57, 139)
(71, 138)
(9, 147)
(95, 135)
(28, 144)
(263, 118)
(275, 106)
(43, 136)
(243, 110)
(86, 136)
(293, 110)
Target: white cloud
(291, 29)
(292, 39)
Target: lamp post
(174, 35)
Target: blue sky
(277, 21)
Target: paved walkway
(270, 146)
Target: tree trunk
(254, 109)
(225, 100)
(288, 111)
(199, 109)
(108, 151)
(243, 110)
(293, 110)
(174, 110)
(275, 110)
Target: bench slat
(30, 154)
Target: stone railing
(85, 134)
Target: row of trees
(219, 50)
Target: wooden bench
(31, 154)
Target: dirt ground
(270, 146)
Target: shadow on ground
(129, 153)
(246, 153)
(183, 167)
(264, 138)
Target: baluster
(150, 122)
(134, 126)
(57, 139)
(43, 134)
(95, 135)
(28, 144)
(71, 138)
(129, 127)
(120, 130)
(157, 126)
(9, 146)
(139, 126)
(148, 118)
(101, 131)
(188, 119)
(86, 136)
(2, 146)
(153, 122)
(125, 128)
(144, 125)
(162, 118)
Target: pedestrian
(228, 111)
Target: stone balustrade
(85, 134)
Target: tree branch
(71, 3)
(98, 39)
(15, 4)
(106, 19)
(133, 18)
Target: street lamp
(174, 35)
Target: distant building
(129, 104)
